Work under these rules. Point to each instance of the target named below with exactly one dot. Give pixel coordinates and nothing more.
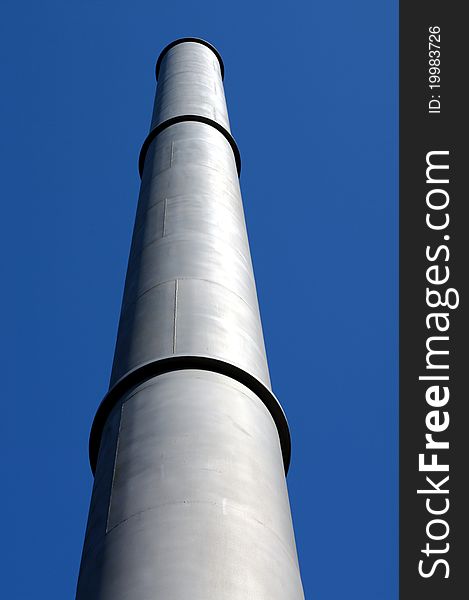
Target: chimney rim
(182, 41)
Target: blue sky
(312, 96)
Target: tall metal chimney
(190, 446)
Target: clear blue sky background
(312, 94)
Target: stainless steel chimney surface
(190, 446)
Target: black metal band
(181, 119)
(178, 363)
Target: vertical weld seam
(175, 314)
(164, 217)
(171, 155)
(114, 469)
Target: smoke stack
(190, 446)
